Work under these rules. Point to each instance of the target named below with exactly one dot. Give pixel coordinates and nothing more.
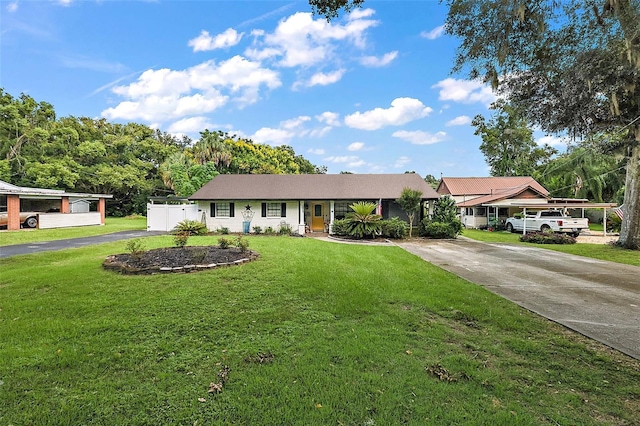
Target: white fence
(64, 220)
(164, 217)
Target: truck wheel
(510, 227)
(575, 234)
(31, 222)
(545, 228)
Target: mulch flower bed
(175, 259)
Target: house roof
(501, 195)
(9, 189)
(487, 185)
(312, 187)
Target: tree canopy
(130, 161)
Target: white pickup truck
(548, 220)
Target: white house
(306, 202)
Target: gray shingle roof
(312, 187)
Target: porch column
(13, 212)
(64, 207)
(301, 224)
(604, 223)
(102, 209)
(332, 205)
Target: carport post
(604, 222)
(524, 221)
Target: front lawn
(311, 333)
(112, 224)
(595, 251)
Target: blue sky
(369, 92)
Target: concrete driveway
(596, 298)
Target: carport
(559, 204)
(52, 206)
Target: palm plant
(364, 223)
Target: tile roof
(487, 185)
(312, 187)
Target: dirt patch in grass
(174, 259)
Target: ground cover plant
(112, 224)
(360, 335)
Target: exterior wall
(64, 205)
(102, 209)
(78, 206)
(462, 198)
(13, 212)
(61, 220)
(235, 224)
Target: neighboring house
(487, 199)
(307, 202)
(48, 208)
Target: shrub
(340, 227)
(285, 229)
(223, 230)
(269, 230)
(180, 239)
(394, 228)
(547, 238)
(135, 247)
(434, 229)
(241, 243)
(224, 243)
(614, 223)
(363, 223)
(257, 230)
(191, 227)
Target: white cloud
(272, 136)
(331, 118)
(349, 160)
(318, 133)
(323, 79)
(464, 91)
(461, 120)
(360, 13)
(401, 162)
(356, 146)
(433, 34)
(163, 94)
(286, 131)
(12, 6)
(552, 141)
(205, 42)
(374, 61)
(300, 40)
(190, 125)
(317, 151)
(402, 111)
(419, 137)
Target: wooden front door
(317, 217)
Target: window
(481, 211)
(503, 211)
(469, 211)
(274, 209)
(222, 210)
(340, 210)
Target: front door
(317, 217)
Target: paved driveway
(8, 251)
(596, 298)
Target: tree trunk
(630, 233)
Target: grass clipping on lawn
(310, 333)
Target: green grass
(112, 224)
(358, 334)
(595, 251)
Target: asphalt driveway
(8, 251)
(596, 298)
